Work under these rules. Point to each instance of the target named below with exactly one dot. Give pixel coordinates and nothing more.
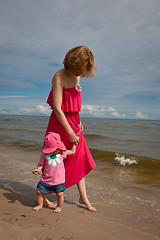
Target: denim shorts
(45, 188)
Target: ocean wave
(26, 145)
(137, 161)
(23, 119)
(126, 160)
(102, 156)
(21, 130)
(16, 120)
(122, 160)
(94, 136)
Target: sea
(124, 186)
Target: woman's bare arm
(57, 103)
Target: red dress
(80, 163)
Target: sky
(124, 36)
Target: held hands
(74, 138)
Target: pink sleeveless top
(71, 100)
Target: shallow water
(125, 183)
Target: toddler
(53, 171)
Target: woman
(65, 101)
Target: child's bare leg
(46, 202)
(60, 200)
(40, 196)
(83, 195)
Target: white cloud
(25, 110)
(93, 110)
(4, 110)
(100, 111)
(3, 97)
(42, 109)
(115, 114)
(140, 115)
(111, 109)
(39, 109)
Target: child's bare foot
(38, 207)
(57, 210)
(88, 204)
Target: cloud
(113, 112)
(93, 111)
(11, 97)
(140, 115)
(42, 109)
(25, 110)
(39, 109)
(4, 110)
(123, 35)
(111, 109)
(100, 111)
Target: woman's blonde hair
(75, 61)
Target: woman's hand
(74, 138)
(81, 127)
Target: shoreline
(19, 221)
(125, 210)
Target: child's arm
(38, 169)
(72, 151)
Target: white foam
(125, 161)
(8, 186)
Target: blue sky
(124, 36)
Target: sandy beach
(19, 221)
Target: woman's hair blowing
(76, 58)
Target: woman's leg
(83, 195)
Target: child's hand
(72, 151)
(36, 171)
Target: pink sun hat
(52, 141)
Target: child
(53, 171)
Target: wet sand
(19, 221)
(118, 216)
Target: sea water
(125, 181)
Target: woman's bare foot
(88, 204)
(38, 207)
(46, 202)
(57, 210)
